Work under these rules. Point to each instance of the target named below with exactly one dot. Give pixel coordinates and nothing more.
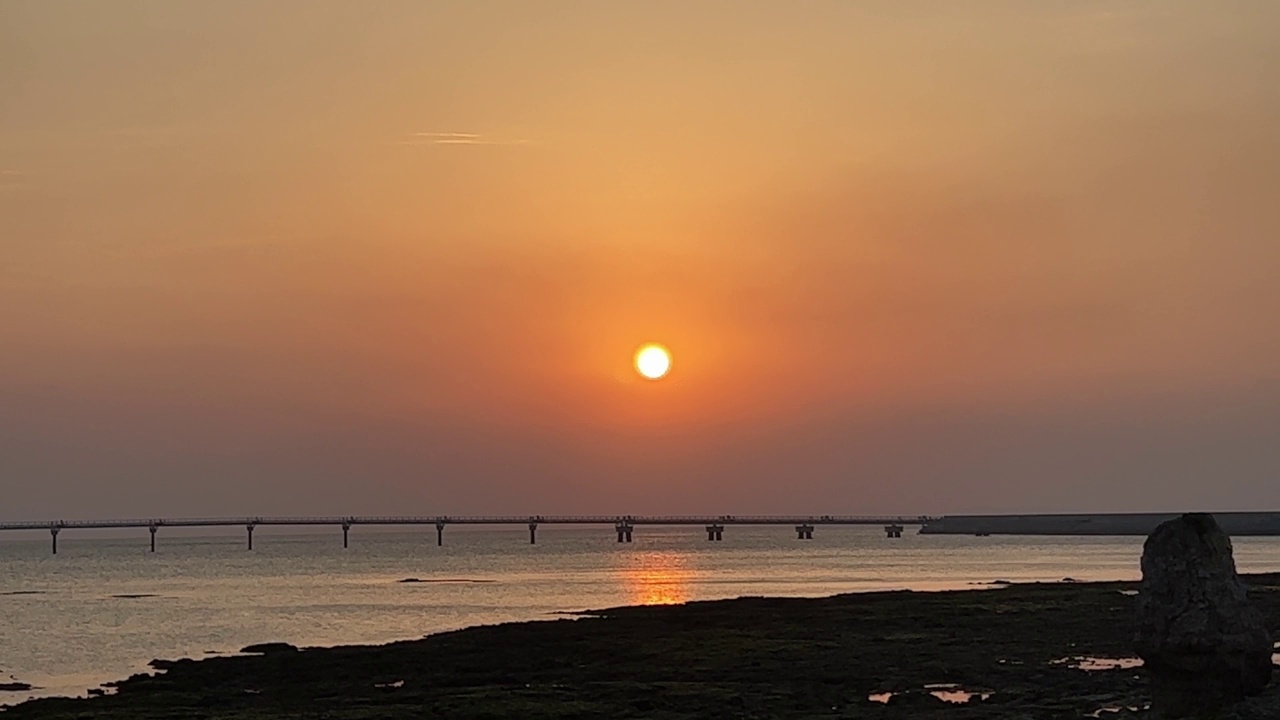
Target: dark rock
(269, 648)
(410, 580)
(14, 687)
(1263, 707)
(1203, 645)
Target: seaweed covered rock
(1204, 646)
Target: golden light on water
(653, 361)
(658, 578)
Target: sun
(653, 361)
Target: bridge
(624, 525)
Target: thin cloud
(459, 138)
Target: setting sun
(653, 361)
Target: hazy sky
(394, 257)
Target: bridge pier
(624, 531)
(249, 528)
(715, 532)
(439, 534)
(346, 528)
(533, 533)
(53, 531)
(804, 532)
(153, 537)
(893, 531)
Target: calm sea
(104, 606)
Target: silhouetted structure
(624, 525)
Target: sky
(910, 256)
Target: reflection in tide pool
(657, 578)
(1097, 664)
(946, 692)
(957, 695)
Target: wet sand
(1019, 651)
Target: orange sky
(911, 257)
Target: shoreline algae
(874, 655)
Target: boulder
(270, 648)
(1203, 645)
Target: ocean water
(105, 606)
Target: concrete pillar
(249, 528)
(804, 532)
(439, 534)
(153, 537)
(893, 531)
(346, 528)
(533, 533)
(715, 533)
(53, 531)
(624, 531)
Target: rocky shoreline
(1018, 651)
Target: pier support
(346, 528)
(439, 534)
(153, 537)
(715, 532)
(624, 530)
(533, 533)
(893, 531)
(53, 531)
(804, 532)
(249, 528)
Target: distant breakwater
(1234, 523)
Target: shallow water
(953, 693)
(104, 606)
(1099, 664)
(946, 692)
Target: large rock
(1204, 647)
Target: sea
(104, 606)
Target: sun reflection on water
(657, 578)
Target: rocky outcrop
(270, 648)
(1263, 707)
(1204, 647)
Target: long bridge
(623, 525)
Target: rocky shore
(1061, 650)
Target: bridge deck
(477, 520)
